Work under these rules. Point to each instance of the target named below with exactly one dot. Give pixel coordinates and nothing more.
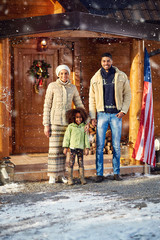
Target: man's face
(106, 63)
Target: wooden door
(28, 110)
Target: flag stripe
(144, 149)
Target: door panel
(28, 113)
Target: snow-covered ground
(11, 188)
(78, 215)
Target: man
(110, 97)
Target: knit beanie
(62, 67)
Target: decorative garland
(39, 70)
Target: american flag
(144, 149)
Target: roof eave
(133, 29)
(78, 21)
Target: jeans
(103, 120)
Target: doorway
(28, 131)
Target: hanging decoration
(39, 70)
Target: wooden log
(109, 139)
(110, 152)
(108, 133)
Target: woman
(58, 100)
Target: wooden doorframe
(20, 105)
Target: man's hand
(120, 114)
(47, 131)
(65, 150)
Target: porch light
(42, 44)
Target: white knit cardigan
(58, 100)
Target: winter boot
(117, 177)
(70, 176)
(51, 180)
(81, 173)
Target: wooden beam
(58, 8)
(136, 83)
(155, 52)
(76, 34)
(71, 6)
(4, 98)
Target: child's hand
(65, 151)
(86, 151)
(94, 122)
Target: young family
(109, 100)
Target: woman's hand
(65, 150)
(86, 151)
(47, 131)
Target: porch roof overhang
(79, 21)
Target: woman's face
(63, 75)
(78, 118)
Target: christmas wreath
(39, 70)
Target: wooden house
(76, 34)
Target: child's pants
(73, 153)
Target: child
(76, 139)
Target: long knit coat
(58, 100)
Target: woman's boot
(51, 180)
(70, 176)
(81, 173)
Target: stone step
(34, 168)
(42, 175)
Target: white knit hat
(62, 67)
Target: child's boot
(70, 176)
(81, 173)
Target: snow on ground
(77, 215)
(11, 188)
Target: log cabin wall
(155, 71)
(14, 9)
(90, 57)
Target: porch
(33, 167)
(77, 39)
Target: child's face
(78, 118)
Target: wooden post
(5, 90)
(136, 83)
(1, 119)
